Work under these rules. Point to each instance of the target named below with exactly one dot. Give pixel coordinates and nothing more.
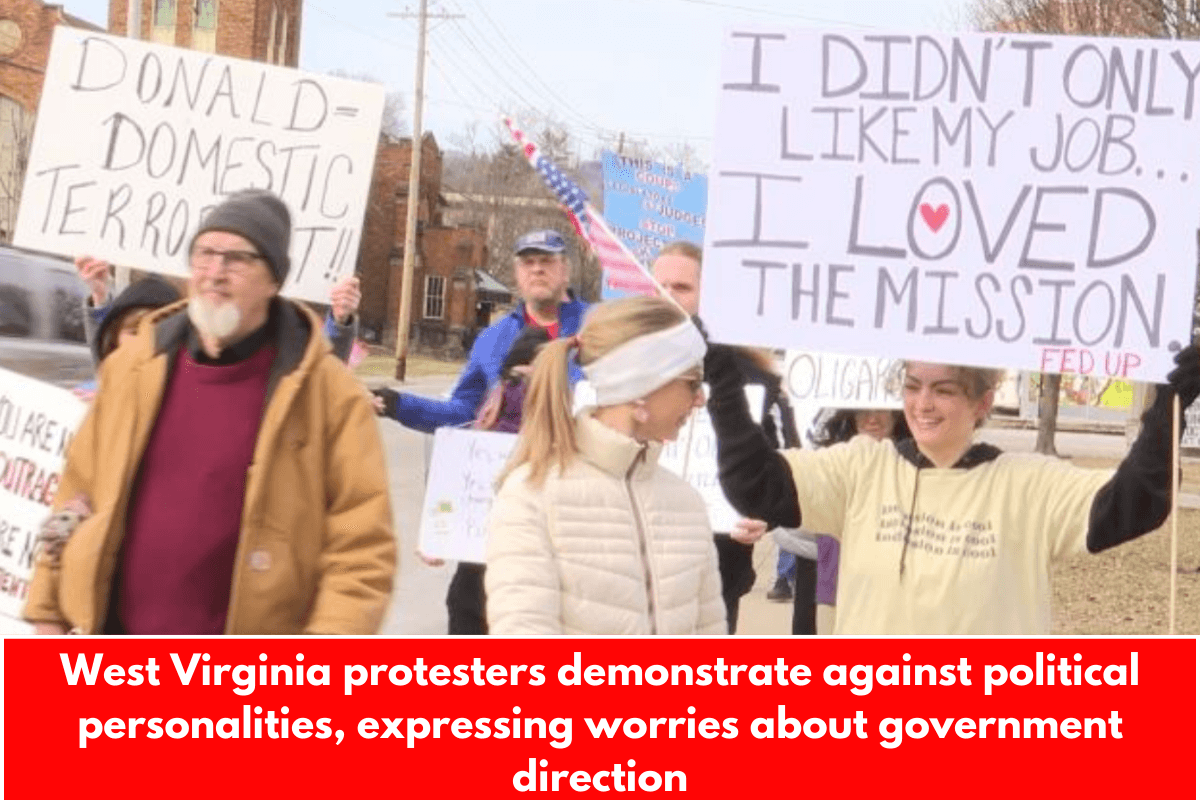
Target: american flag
(621, 269)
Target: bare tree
(394, 124)
(16, 137)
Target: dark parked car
(41, 318)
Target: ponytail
(547, 435)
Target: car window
(68, 312)
(16, 312)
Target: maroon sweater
(184, 519)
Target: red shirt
(184, 520)
(551, 329)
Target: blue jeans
(786, 566)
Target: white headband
(641, 365)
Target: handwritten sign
(136, 142)
(1191, 430)
(994, 199)
(830, 381)
(648, 204)
(37, 421)
(693, 457)
(459, 493)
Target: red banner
(452, 717)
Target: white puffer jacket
(612, 545)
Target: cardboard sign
(459, 493)
(37, 421)
(996, 199)
(649, 204)
(829, 381)
(136, 142)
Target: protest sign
(37, 421)
(1191, 429)
(135, 142)
(648, 204)
(459, 492)
(993, 199)
(830, 381)
(693, 457)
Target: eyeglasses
(236, 262)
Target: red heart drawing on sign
(934, 217)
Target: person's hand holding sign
(748, 531)
(344, 299)
(94, 272)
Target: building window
(270, 55)
(164, 13)
(206, 15)
(281, 45)
(435, 296)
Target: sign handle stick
(1174, 514)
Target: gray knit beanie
(260, 217)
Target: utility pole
(414, 189)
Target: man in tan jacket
(231, 465)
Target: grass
(1124, 591)
(418, 366)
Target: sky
(647, 68)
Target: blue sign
(648, 204)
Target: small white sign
(37, 421)
(829, 381)
(459, 492)
(136, 142)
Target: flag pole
(530, 150)
(1175, 413)
(596, 219)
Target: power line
(773, 13)
(500, 32)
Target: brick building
(260, 30)
(452, 297)
(26, 28)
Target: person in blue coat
(542, 274)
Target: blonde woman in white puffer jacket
(588, 535)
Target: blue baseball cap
(546, 241)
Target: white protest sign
(135, 142)
(37, 421)
(459, 494)
(693, 457)
(1191, 430)
(829, 381)
(992, 199)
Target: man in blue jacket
(541, 273)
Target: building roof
(485, 283)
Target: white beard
(213, 321)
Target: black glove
(390, 398)
(1185, 378)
